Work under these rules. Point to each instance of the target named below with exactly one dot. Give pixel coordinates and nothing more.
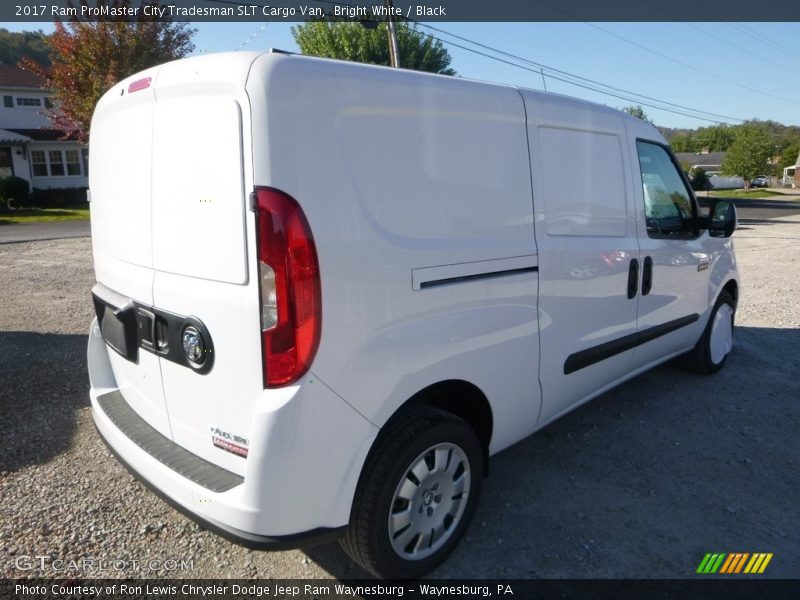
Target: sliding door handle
(647, 276)
(633, 278)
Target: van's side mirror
(721, 219)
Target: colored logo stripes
(735, 562)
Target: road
(36, 232)
(755, 211)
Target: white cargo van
(327, 292)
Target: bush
(14, 189)
(59, 198)
(699, 179)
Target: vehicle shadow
(645, 479)
(44, 382)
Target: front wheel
(417, 494)
(711, 352)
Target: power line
(587, 87)
(585, 79)
(742, 50)
(665, 57)
(791, 53)
(540, 71)
(672, 15)
(688, 66)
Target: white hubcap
(721, 340)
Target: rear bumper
(250, 540)
(306, 453)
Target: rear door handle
(633, 278)
(647, 276)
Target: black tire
(402, 443)
(700, 359)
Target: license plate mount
(118, 326)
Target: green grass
(757, 193)
(43, 215)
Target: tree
(682, 142)
(718, 138)
(13, 46)
(789, 156)
(89, 58)
(349, 40)
(749, 154)
(638, 112)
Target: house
(29, 147)
(790, 173)
(710, 162)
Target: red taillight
(291, 303)
(139, 84)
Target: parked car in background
(761, 181)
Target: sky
(735, 71)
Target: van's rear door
(119, 180)
(201, 179)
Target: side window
(29, 101)
(39, 163)
(668, 206)
(56, 162)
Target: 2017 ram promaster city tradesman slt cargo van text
(328, 292)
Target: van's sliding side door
(588, 249)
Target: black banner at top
(416, 10)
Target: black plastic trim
(168, 332)
(448, 280)
(647, 276)
(127, 325)
(652, 333)
(164, 450)
(255, 541)
(585, 358)
(633, 278)
(117, 325)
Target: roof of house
(40, 135)
(13, 76)
(710, 159)
(11, 137)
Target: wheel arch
(732, 287)
(462, 399)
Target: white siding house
(29, 147)
(790, 174)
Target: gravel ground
(639, 483)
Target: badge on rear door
(235, 444)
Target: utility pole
(394, 51)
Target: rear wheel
(417, 494)
(711, 352)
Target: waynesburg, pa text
(259, 591)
